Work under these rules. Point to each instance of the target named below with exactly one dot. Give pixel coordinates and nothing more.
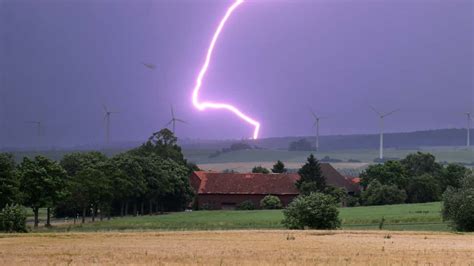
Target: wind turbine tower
(468, 140)
(174, 120)
(316, 124)
(381, 117)
(107, 123)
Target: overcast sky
(61, 60)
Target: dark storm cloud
(61, 60)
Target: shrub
(377, 194)
(270, 202)
(352, 201)
(246, 205)
(339, 194)
(260, 170)
(316, 211)
(13, 219)
(458, 205)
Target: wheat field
(239, 248)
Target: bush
(377, 194)
(260, 170)
(352, 201)
(13, 219)
(270, 202)
(339, 194)
(246, 205)
(316, 211)
(458, 205)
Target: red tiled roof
(355, 180)
(236, 183)
(277, 184)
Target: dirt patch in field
(240, 248)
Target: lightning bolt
(215, 105)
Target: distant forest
(408, 140)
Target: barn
(216, 190)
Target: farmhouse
(226, 190)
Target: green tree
(180, 192)
(9, 182)
(279, 168)
(157, 184)
(270, 202)
(163, 144)
(315, 211)
(260, 169)
(420, 163)
(311, 177)
(90, 188)
(75, 162)
(378, 194)
(452, 175)
(89, 185)
(458, 205)
(424, 188)
(42, 184)
(130, 181)
(389, 173)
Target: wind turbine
(468, 141)
(382, 116)
(107, 123)
(174, 120)
(316, 124)
(38, 129)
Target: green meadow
(418, 217)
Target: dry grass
(240, 248)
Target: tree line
(148, 179)
(417, 178)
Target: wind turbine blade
(169, 123)
(375, 110)
(179, 120)
(389, 113)
(172, 111)
(105, 108)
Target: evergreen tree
(311, 177)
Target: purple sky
(60, 60)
